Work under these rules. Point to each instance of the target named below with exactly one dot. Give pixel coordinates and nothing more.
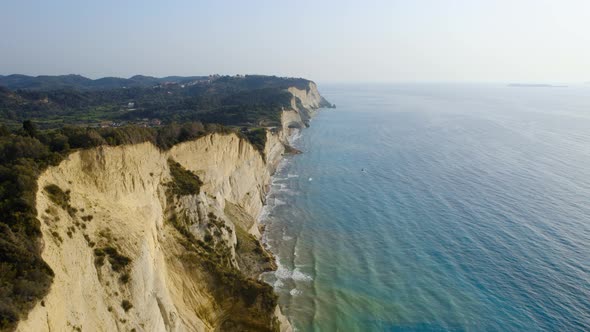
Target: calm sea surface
(437, 208)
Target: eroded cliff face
(304, 104)
(129, 255)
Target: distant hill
(529, 85)
(78, 82)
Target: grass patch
(118, 262)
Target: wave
(295, 137)
(300, 276)
(278, 284)
(285, 273)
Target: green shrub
(118, 261)
(58, 196)
(126, 305)
(184, 182)
(257, 137)
(24, 277)
(57, 236)
(87, 218)
(125, 278)
(99, 257)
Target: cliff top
(54, 101)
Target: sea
(436, 207)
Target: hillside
(78, 82)
(54, 101)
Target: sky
(329, 41)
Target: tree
(59, 143)
(4, 131)
(30, 128)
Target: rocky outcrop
(304, 103)
(130, 255)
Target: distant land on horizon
(79, 82)
(51, 82)
(534, 85)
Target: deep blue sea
(437, 207)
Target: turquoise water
(472, 212)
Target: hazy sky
(336, 40)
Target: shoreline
(264, 218)
(213, 223)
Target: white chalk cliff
(119, 208)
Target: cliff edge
(142, 239)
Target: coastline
(289, 136)
(265, 221)
(162, 235)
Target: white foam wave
(295, 137)
(284, 162)
(275, 187)
(284, 273)
(278, 283)
(300, 276)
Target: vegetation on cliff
(252, 302)
(257, 138)
(184, 182)
(24, 277)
